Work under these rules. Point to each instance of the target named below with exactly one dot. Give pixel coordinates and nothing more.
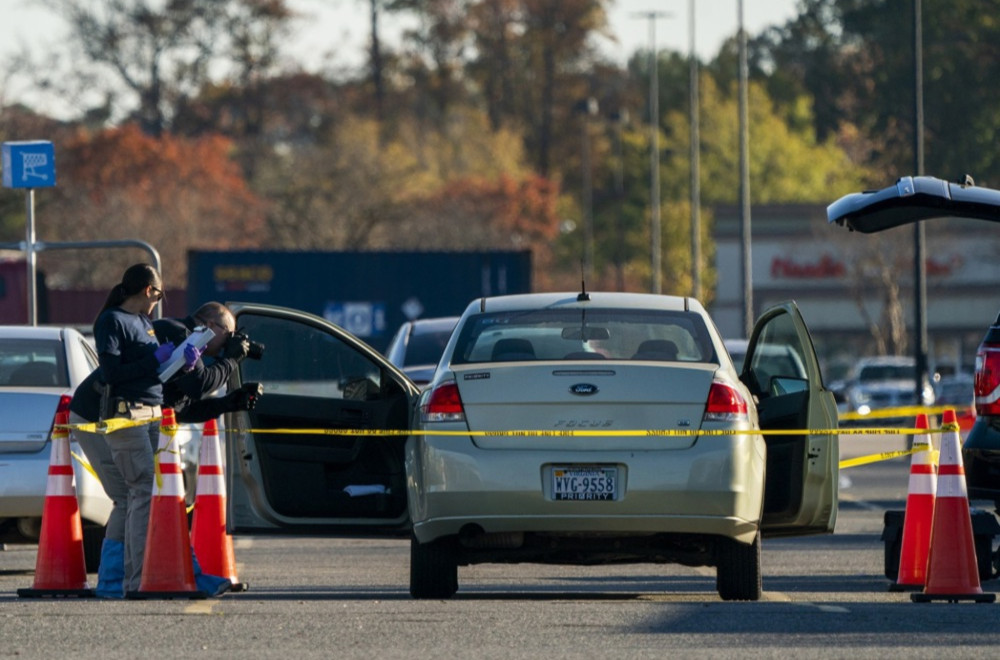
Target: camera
(255, 349)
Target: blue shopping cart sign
(29, 164)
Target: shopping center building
(839, 280)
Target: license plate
(591, 483)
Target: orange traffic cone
(212, 545)
(167, 569)
(60, 569)
(919, 513)
(952, 571)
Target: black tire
(433, 569)
(93, 540)
(738, 570)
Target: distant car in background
(40, 368)
(958, 392)
(887, 381)
(417, 346)
(737, 351)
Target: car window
(301, 359)
(427, 347)
(33, 363)
(574, 334)
(777, 353)
(880, 372)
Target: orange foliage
(175, 193)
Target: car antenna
(583, 296)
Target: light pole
(745, 183)
(919, 239)
(695, 166)
(618, 121)
(654, 151)
(587, 109)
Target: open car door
(802, 474)
(292, 463)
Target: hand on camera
(191, 355)
(164, 351)
(237, 347)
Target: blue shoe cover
(211, 585)
(111, 572)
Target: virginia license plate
(585, 483)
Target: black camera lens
(256, 351)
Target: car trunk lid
(26, 419)
(595, 403)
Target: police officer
(125, 385)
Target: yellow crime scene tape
(117, 424)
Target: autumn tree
(162, 53)
(176, 194)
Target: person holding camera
(188, 391)
(126, 384)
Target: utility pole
(654, 152)
(919, 237)
(745, 183)
(695, 165)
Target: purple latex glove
(164, 351)
(191, 355)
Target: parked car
(461, 468)
(923, 198)
(417, 346)
(957, 391)
(883, 382)
(737, 351)
(40, 368)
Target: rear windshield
(594, 334)
(426, 348)
(887, 372)
(32, 363)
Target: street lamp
(654, 149)
(587, 108)
(919, 237)
(695, 165)
(745, 183)
(618, 121)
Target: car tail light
(443, 405)
(987, 379)
(725, 403)
(63, 406)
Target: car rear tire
(433, 569)
(738, 570)
(93, 540)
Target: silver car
(559, 428)
(417, 346)
(40, 368)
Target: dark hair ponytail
(135, 279)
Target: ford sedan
(559, 428)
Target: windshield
(32, 363)
(576, 334)
(887, 372)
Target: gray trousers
(124, 462)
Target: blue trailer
(370, 294)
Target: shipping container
(370, 294)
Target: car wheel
(738, 570)
(433, 569)
(93, 541)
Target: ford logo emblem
(583, 389)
